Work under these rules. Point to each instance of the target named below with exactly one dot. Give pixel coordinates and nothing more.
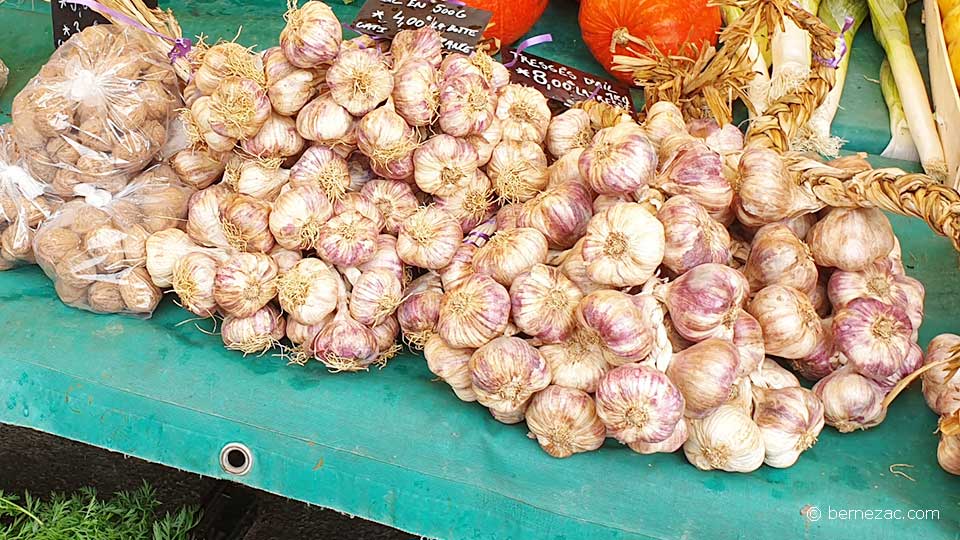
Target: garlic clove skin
(791, 327)
(748, 339)
(706, 301)
(568, 130)
(245, 283)
(544, 303)
(639, 404)
(577, 362)
(451, 365)
(948, 453)
(510, 253)
(298, 216)
(938, 381)
(474, 312)
(304, 291)
(312, 35)
(692, 236)
(772, 375)
(697, 172)
(564, 421)
(851, 238)
(623, 246)
(668, 446)
(706, 374)
(444, 165)
(621, 327)
(778, 257)
(429, 238)
(523, 113)
(850, 400)
(873, 336)
(517, 170)
(561, 213)
(619, 160)
(505, 373)
(727, 439)
(467, 105)
(790, 419)
(255, 334)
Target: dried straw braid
(603, 115)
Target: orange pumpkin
(511, 18)
(612, 27)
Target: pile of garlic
(583, 273)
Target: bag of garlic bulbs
(98, 111)
(94, 246)
(24, 203)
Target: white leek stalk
(759, 86)
(901, 142)
(791, 54)
(816, 136)
(890, 28)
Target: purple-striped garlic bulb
(851, 238)
(543, 304)
(850, 400)
(875, 337)
(312, 35)
(474, 312)
(564, 421)
(692, 236)
(778, 257)
(624, 330)
(619, 160)
(510, 253)
(706, 374)
(560, 212)
(941, 388)
(578, 361)
(623, 246)
(639, 404)
(467, 105)
(451, 365)
(881, 281)
(254, 334)
(706, 301)
(791, 327)
(697, 172)
(505, 373)
(790, 419)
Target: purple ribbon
(181, 46)
(525, 44)
(835, 62)
(596, 90)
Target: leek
(791, 54)
(759, 86)
(890, 28)
(901, 143)
(816, 135)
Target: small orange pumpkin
(511, 18)
(611, 27)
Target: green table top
(396, 447)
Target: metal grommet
(236, 459)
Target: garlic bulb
(825, 358)
(304, 291)
(321, 167)
(474, 312)
(748, 339)
(467, 105)
(348, 239)
(939, 381)
(790, 419)
(277, 138)
(238, 108)
(543, 303)
(359, 80)
(561, 213)
(324, 121)
(359, 203)
(255, 334)
(394, 199)
(669, 445)
(485, 141)
(193, 281)
(623, 246)
(285, 258)
(692, 236)
(385, 138)
(564, 421)
(384, 258)
(517, 170)
(164, 249)
(419, 311)
(298, 216)
(850, 400)
(568, 130)
(706, 301)
(375, 296)
(509, 253)
(344, 344)
(292, 88)
(245, 223)
(873, 336)
(505, 373)
(523, 112)
(948, 453)
(451, 365)
(851, 238)
(619, 160)
(706, 374)
(574, 267)
(444, 165)
(420, 45)
(778, 257)
(196, 168)
(245, 283)
(791, 327)
(471, 205)
(312, 35)
(577, 362)
(260, 179)
(767, 191)
(622, 328)
(771, 375)
(416, 92)
(429, 238)
(663, 119)
(223, 59)
(566, 169)
(881, 281)
(639, 404)
(697, 172)
(726, 439)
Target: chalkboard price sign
(70, 19)
(460, 26)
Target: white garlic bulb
(727, 439)
(639, 404)
(790, 419)
(359, 80)
(543, 303)
(564, 421)
(429, 238)
(305, 291)
(577, 362)
(667, 446)
(619, 160)
(255, 334)
(623, 246)
(298, 216)
(474, 312)
(517, 170)
(444, 165)
(850, 400)
(568, 130)
(851, 238)
(245, 283)
(791, 327)
(450, 364)
(509, 253)
(523, 113)
(505, 373)
(706, 374)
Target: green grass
(83, 516)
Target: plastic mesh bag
(94, 249)
(98, 111)
(24, 203)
